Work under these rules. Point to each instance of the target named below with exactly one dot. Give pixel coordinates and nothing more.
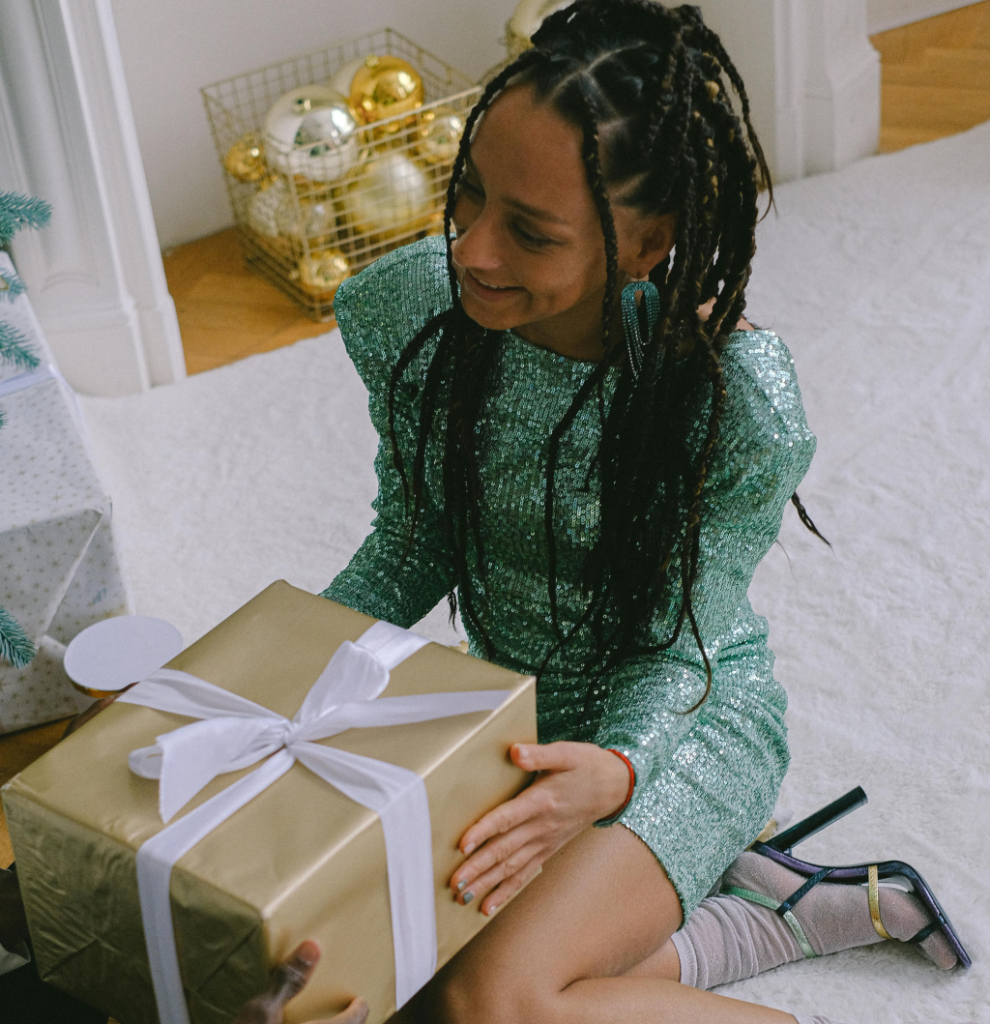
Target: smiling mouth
(487, 290)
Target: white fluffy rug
(878, 278)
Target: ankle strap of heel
(775, 906)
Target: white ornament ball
(263, 208)
(389, 195)
(298, 218)
(342, 78)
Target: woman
(594, 480)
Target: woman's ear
(644, 241)
(658, 234)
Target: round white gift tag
(116, 652)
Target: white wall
(887, 14)
(170, 48)
(812, 77)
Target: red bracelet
(632, 785)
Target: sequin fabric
(706, 780)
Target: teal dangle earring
(635, 343)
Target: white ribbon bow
(234, 733)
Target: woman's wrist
(620, 785)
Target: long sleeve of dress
(707, 779)
(383, 579)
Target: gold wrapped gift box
(300, 861)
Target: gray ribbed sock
(815, 1020)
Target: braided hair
(648, 87)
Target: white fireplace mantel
(67, 135)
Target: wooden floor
(936, 81)
(17, 751)
(227, 312)
(936, 77)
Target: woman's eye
(529, 239)
(534, 241)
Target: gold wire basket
(305, 232)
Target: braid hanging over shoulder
(649, 88)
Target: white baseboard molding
(842, 113)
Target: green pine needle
(16, 349)
(10, 287)
(15, 647)
(18, 211)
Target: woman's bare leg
(663, 964)
(583, 943)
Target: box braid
(646, 85)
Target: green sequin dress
(706, 781)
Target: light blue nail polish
(461, 885)
(468, 896)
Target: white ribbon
(234, 732)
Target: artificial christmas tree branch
(16, 212)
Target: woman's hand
(287, 980)
(577, 784)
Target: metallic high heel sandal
(903, 875)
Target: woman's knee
(480, 996)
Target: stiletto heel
(814, 823)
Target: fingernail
(468, 896)
(308, 952)
(469, 849)
(461, 884)
(491, 910)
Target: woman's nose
(476, 244)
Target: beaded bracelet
(632, 786)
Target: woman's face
(529, 252)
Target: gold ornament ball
(245, 160)
(320, 273)
(385, 87)
(389, 195)
(438, 136)
(434, 223)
